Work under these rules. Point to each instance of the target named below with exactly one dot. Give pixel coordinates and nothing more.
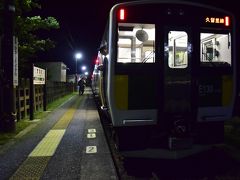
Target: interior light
(227, 21)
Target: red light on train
(97, 61)
(122, 14)
(227, 21)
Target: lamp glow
(78, 55)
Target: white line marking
(92, 130)
(91, 149)
(91, 135)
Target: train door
(177, 83)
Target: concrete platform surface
(68, 144)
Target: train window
(177, 49)
(136, 43)
(215, 49)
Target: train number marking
(91, 135)
(91, 149)
(91, 130)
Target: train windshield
(136, 43)
(215, 49)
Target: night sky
(82, 23)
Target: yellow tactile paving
(34, 165)
(65, 120)
(49, 143)
(67, 117)
(32, 168)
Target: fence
(23, 99)
(54, 90)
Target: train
(165, 76)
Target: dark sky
(82, 23)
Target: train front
(170, 80)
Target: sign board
(38, 75)
(15, 61)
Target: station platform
(68, 144)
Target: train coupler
(177, 143)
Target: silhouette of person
(81, 84)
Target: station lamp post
(84, 68)
(84, 71)
(8, 79)
(77, 57)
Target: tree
(26, 29)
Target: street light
(84, 68)
(77, 56)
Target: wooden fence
(54, 90)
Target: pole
(8, 100)
(76, 66)
(32, 97)
(76, 77)
(45, 92)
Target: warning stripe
(49, 143)
(34, 165)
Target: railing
(54, 90)
(22, 99)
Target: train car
(167, 75)
(95, 79)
